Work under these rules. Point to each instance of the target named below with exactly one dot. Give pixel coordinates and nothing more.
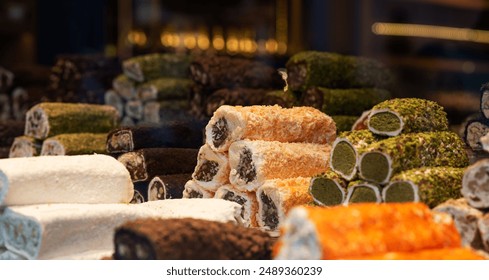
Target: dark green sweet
(328, 189)
(363, 192)
(152, 66)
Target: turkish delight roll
(364, 229)
(125, 87)
(277, 197)
(247, 200)
(212, 170)
(431, 254)
(382, 159)
(270, 123)
(345, 151)
(343, 101)
(144, 164)
(407, 115)
(196, 239)
(430, 185)
(49, 119)
(64, 179)
(466, 218)
(165, 89)
(362, 192)
(253, 162)
(475, 186)
(74, 144)
(25, 146)
(312, 68)
(485, 100)
(167, 186)
(194, 190)
(171, 135)
(328, 189)
(474, 130)
(151, 66)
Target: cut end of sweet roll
(37, 124)
(363, 192)
(385, 122)
(156, 189)
(400, 191)
(326, 192)
(344, 159)
(52, 147)
(120, 141)
(375, 167)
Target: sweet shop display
(152, 66)
(9, 131)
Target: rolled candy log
(466, 218)
(328, 189)
(165, 89)
(351, 102)
(9, 130)
(360, 191)
(377, 229)
(147, 239)
(430, 185)
(67, 231)
(475, 186)
(383, 159)
(322, 69)
(254, 162)
(144, 164)
(64, 179)
(345, 151)
(269, 123)
(247, 200)
(362, 122)
(152, 66)
(344, 123)
(141, 190)
(193, 190)
(483, 225)
(474, 130)
(125, 87)
(171, 135)
(112, 98)
(212, 170)
(485, 100)
(407, 115)
(429, 254)
(277, 197)
(167, 186)
(48, 119)
(25, 146)
(74, 144)
(214, 72)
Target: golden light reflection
(218, 43)
(232, 44)
(271, 45)
(137, 37)
(189, 41)
(203, 41)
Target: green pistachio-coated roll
(381, 160)
(48, 119)
(75, 144)
(360, 191)
(156, 65)
(430, 185)
(344, 153)
(165, 89)
(407, 115)
(328, 189)
(343, 101)
(312, 68)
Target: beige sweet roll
(64, 179)
(253, 162)
(212, 170)
(270, 123)
(247, 200)
(167, 186)
(277, 197)
(193, 190)
(25, 146)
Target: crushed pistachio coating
(165, 88)
(344, 123)
(78, 143)
(313, 68)
(412, 114)
(156, 65)
(352, 101)
(435, 184)
(328, 189)
(414, 150)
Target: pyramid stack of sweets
(262, 157)
(338, 85)
(153, 88)
(81, 78)
(406, 154)
(159, 157)
(225, 80)
(379, 232)
(64, 129)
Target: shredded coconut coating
(273, 123)
(365, 229)
(250, 207)
(276, 160)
